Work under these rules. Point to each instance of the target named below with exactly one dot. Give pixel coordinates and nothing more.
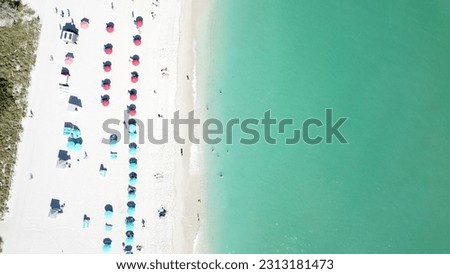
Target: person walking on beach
(143, 223)
(112, 5)
(68, 12)
(31, 113)
(181, 151)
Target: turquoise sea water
(385, 65)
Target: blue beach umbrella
(106, 248)
(129, 226)
(108, 227)
(131, 195)
(132, 128)
(131, 211)
(108, 211)
(129, 241)
(133, 181)
(71, 145)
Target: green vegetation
(19, 32)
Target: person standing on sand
(181, 151)
(112, 5)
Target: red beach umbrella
(107, 68)
(132, 112)
(133, 97)
(84, 23)
(134, 79)
(139, 21)
(108, 48)
(105, 103)
(106, 86)
(68, 61)
(110, 27)
(135, 62)
(137, 42)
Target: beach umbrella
(108, 48)
(131, 204)
(131, 210)
(131, 195)
(108, 211)
(134, 77)
(106, 248)
(68, 61)
(129, 241)
(133, 94)
(110, 27)
(132, 151)
(135, 60)
(107, 66)
(113, 139)
(132, 112)
(107, 241)
(137, 40)
(106, 84)
(132, 181)
(84, 23)
(108, 227)
(139, 21)
(71, 145)
(105, 100)
(77, 147)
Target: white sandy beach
(166, 42)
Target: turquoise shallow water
(385, 65)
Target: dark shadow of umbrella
(107, 241)
(129, 234)
(131, 204)
(108, 46)
(85, 20)
(110, 24)
(133, 161)
(132, 91)
(69, 55)
(109, 208)
(132, 145)
(107, 63)
(65, 71)
(134, 74)
(132, 175)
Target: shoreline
(168, 43)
